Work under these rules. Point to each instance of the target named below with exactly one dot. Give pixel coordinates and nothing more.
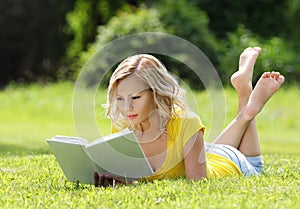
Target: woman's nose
(128, 104)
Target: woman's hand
(104, 180)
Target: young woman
(145, 97)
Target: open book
(117, 154)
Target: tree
(83, 21)
(32, 39)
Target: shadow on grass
(12, 149)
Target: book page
(120, 155)
(109, 137)
(70, 140)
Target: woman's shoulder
(185, 117)
(186, 121)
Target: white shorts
(249, 166)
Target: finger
(116, 178)
(102, 181)
(96, 179)
(106, 180)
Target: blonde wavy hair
(167, 93)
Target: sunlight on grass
(38, 181)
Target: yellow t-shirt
(180, 129)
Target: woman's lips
(131, 117)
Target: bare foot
(242, 79)
(266, 86)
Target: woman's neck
(151, 131)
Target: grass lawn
(31, 177)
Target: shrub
(176, 18)
(276, 55)
(126, 22)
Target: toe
(280, 79)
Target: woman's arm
(194, 157)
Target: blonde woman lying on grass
(145, 97)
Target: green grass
(31, 178)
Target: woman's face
(135, 101)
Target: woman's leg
(267, 85)
(242, 82)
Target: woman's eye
(135, 97)
(120, 99)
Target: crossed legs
(241, 133)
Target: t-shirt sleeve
(190, 126)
